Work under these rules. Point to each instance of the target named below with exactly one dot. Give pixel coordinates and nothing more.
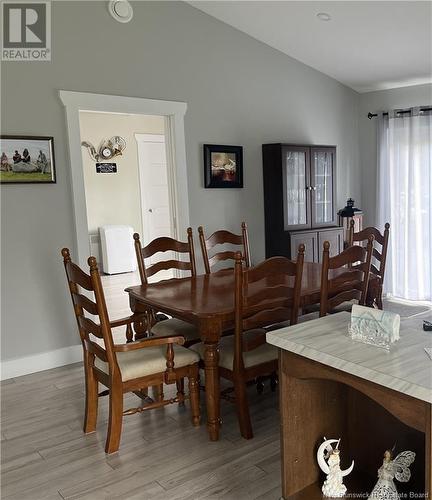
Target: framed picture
(223, 166)
(26, 160)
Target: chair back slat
(270, 293)
(78, 276)
(264, 295)
(223, 237)
(165, 244)
(352, 282)
(84, 302)
(273, 269)
(351, 275)
(164, 265)
(267, 317)
(226, 255)
(344, 296)
(376, 254)
(349, 256)
(87, 327)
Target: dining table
(207, 301)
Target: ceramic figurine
(329, 461)
(385, 488)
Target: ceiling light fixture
(120, 10)
(323, 16)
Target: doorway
(173, 114)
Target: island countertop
(406, 368)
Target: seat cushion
(261, 354)
(148, 361)
(174, 326)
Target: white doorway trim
(173, 112)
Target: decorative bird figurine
(329, 461)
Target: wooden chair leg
(242, 408)
(180, 389)
(379, 298)
(115, 419)
(91, 403)
(194, 397)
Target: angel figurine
(385, 488)
(329, 461)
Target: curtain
(404, 200)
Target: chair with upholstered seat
(379, 253)
(265, 294)
(223, 237)
(127, 367)
(172, 326)
(351, 282)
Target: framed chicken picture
(27, 160)
(223, 166)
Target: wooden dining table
(207, 301)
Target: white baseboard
(39, 362)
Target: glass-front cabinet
(299, 192)
(308, 185)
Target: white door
(156, 208)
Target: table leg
(212, 389)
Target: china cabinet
(300, 199)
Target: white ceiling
(367, 45)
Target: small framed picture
(27, 160)
(223, 166)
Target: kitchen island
(372, 398)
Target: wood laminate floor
(45, 455)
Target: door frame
(172, 111)
(153, 138)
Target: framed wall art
(27, 160)
(223, 166)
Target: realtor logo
(26, 31)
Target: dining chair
(171, 326)
(265, 294)
(223, 237)
(376, 279)
(126, 367)
(351, 283)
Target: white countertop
(406, 368)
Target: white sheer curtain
(405, 200)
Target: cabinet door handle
(314, 188)
(308, 188)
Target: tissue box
(375, 327)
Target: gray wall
(406, 97)
(238, 90)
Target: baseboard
(16, 367)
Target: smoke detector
(120, 10)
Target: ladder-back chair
(223, 237)
(127, 367)
(172, 326)
(352, 283)
(376, 280)
(265, 294)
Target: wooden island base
(317, 400)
